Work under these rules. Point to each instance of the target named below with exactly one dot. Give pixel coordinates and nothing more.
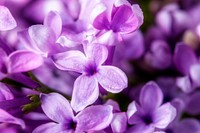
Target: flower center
(168, 131)
(147, 119)
(73, 125)
(90, 69)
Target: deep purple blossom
(90, 65)
(118, 16)
(58, 109)
(150, 114)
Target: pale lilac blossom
(42, 39)
(58, 109)
(93, 73)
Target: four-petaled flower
(150, 114)
(58, 109)
(90, 65)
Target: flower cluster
(97, 66)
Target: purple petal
(151, 96)
(85, 92)
(100, 17)
(123, 19)
(2, 75)
(7, 22)
(8, 130)
(54, 21)
(184, 57)
(134, 113)
(49, 128)
(109, 38)
(121, 2)
(140, 128)
(131, 109)
(134, 45)
(188, 126)
(23, 79)
(112, 79)
(22, 61)
(5, 93)
(138, 13)
(97, 53)
(44, 37)
(100, 117)
(192, 105)
(66, 42)
(2, 54)
(195, 74)
(164, 21)
(73, 8)
(114, 104)
(36, 116)
(71, 61)
(14, 103)
(90, 10)
(164, 115)
(101, 22)
(119, 122)
(185, 84)
(27, 42)
(5, 117)
(56, 107)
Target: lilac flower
(150, 114)
(7, 22)
(114, 18)
(118, 16)
(187, 63)
(41, 39)
(58, 109)
(159, 56)
(172, 20)
(90, 65)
